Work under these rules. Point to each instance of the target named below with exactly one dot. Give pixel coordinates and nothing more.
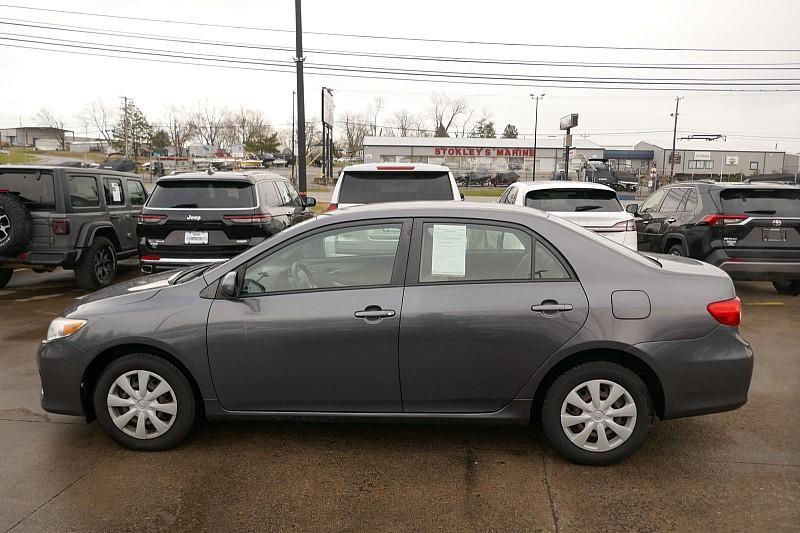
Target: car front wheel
(597, 413)
(144, 402)
(789, 287)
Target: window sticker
(449, 252)
(116, 192)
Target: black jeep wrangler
(76, 218)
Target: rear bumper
(755, 269)
(149, 266)
(35, 258)
(700, 376)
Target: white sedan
(591, 205)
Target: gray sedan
(418, 312)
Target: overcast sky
(65, 83)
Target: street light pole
(301, 106)
(674, 135)
(535, 133)
(294, 154)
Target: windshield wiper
(761, 212)
(183, 205)
(587, 207)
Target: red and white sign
(485, 152)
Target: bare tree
(404, 123)
(45, 117)
(419, 125)
(464, 132)
(373, 111)
(209, 123)
(179, 127)
(444, 112)
(101, 117)
(313, 140)
(355, 129)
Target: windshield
(598, 165)
(782, 202)
(564, 200)
(198, 194)
(372, 187)
(34, 188)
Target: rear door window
(766, 202)
(568, 200)
(136, 193)
(199, 194)
(271, 194)
(35, 189)
(372, 187)
(112, 187)
(83, 191)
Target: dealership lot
(737, 470)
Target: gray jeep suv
(76, 218)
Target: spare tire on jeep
(16, 226)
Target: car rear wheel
(5, 276)
(676, 249)
(597, 413)
(97, 266)
(789, 287)
(144, 402)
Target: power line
(397, 38)
(676, 83)
(408, 57)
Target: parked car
(504, 179)
(625, 181)
(206, 217)
(79, 219)
(393, 182)
(417, 311)
(591, 205)
(751, 231)
(597, 171)
(280, 162)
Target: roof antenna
(211, 169)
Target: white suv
(591, 205)
(393, 182)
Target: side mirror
(308, 201)
(228, 285)
(632, 209)
(462, 195)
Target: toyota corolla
(418, 312)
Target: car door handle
(670, 220)
(551, 308)
(373, 313)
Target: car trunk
(759, 222)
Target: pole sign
(569, 121)
(327, 107)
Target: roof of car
(560, 184)
(444, 209)
(71, 169)
(252, 177)
(385, 167)
(733, 184)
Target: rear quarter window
(373, 187)
(767, 202)
(83, 191)
(35, 189)
(199, 194)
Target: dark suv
(750, 230)
(76, 218)
(208, 217)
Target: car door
(485, 305)
(315, 325)
(649, 220)
(119, 213)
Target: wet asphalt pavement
(737, 471)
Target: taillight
(727, 312)
(150, 257)
(151, 219)
(60, 226)
(248, 219)
(396, 167)
(625, 225)
(719, 220)
(331, 207)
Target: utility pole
(125, 124)
(674, 135)
(294, 155)
(535, 132)
(301, 107)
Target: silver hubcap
(598, 415)
(5, 227)
(142, 404)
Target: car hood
(124, 293)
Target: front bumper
(756, 268)
(700, 376)
(61, 369)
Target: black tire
(184, 399)
(788, 287)
(5, 276)
(596, 370)
(16, 226)
(97, 266)
(677, 249)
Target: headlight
(63, 327)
